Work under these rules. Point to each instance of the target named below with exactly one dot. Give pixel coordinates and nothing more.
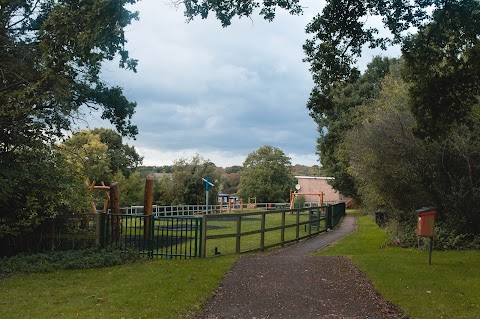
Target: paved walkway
(289, 284)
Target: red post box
(426, 221)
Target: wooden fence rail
(243, 232)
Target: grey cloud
(220, 91)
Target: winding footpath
(287, 283)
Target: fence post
(203, 240)
(298, 225)
(310, 218)
(101, 229)
(147, 208)
(115, 210)
(329, 216)
(238, 232)
(262, 234)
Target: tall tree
(132, 189)
(42, 187)
(88, 155)
(99, 154)
(51, 53)
(348, 100)
(396, 170)
(267, 175)
(442, 64)
(187, 187)
(122, 157)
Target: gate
(153, 236)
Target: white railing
(189, 210)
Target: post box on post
(426, 226)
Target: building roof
(313, 177)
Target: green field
(150, 289)
(449, 288)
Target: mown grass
(253, 223)
(449, 288)
(148, 289)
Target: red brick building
(316, 184)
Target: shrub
(75, 259)
(445, 237)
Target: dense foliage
(267, 175)
(397, 171)
(187, 187)
(51, 54)
(51, 57)
(53, 261)
(100, 153)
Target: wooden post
(241, 205)
(298, 225)
(115, 210)
(221, 204)
(148, 206)
(262, 234)
(291, 199)
(238, 233)
(90, 188)
(107, 196)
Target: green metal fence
(215, 234)
(153, 236)
(335, 214)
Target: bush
(299, 202)
(79, 259)
(445, 237)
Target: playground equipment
(103, 187)
(293, 196)
(252, 202)
(232, 203)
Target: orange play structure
(293, 196)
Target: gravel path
(289, 284)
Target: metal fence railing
(337, 211)
(154, 236)
(177, 232)
(182, 236)
(189, 210)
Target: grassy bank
(449, 288)
(149, 289)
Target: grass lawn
(449, 288)
(149, 289)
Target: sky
(217, 92)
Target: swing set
(293, 196)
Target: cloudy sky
(217, 92)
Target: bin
(380, 218)
(426, 221)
